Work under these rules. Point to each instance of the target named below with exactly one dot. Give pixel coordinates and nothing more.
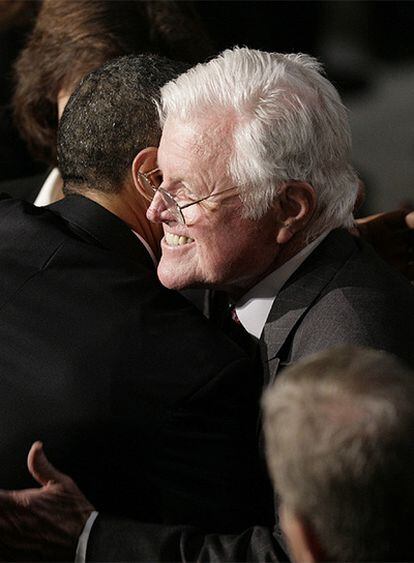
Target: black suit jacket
(132, 391)
(26, 188)
(342, 294)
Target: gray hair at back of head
(339, 429)
(288, 124)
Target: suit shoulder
(22, 223)
(374, 311)
(25, 188)
(366, 268)
(186, 328)
(189, 355)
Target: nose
(157, 209)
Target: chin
(170, 281)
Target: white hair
(288, 123)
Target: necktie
(235, 330)
(224, 316)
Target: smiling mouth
(175, 240)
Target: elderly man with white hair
(256, 198)
(255, 191)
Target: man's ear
(145, 161)
(303, 544)
(296, 204)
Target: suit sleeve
(115, 539)
(206, 470)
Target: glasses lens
(146, 187)
(171, 205)
(149, 184)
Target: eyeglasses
(149, 190)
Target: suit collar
(24, 188)
(51, 189)
(301, 291)
(103, 226)
(254, 307)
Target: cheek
(224, 253)
(212, 257)
(249, 253)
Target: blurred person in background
(339, 432)
(17, 18)
(69, 40)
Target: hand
(43, 523)
(392, 236)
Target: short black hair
(110, 117)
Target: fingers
(41, 468)
(394, 219)
(398, 219)
(12, 500)
(396, 224)
(409, 220)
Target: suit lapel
(299, 293)
(103, 226)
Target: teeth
(175, 240)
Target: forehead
(194, 142)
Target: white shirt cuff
(80, 556)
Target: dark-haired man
(135, 394)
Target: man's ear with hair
(296, 204)
(303, 544)
(145, 161)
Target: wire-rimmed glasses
(149, 189)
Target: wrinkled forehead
(202, 137)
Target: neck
(131, 208)
(283, 254)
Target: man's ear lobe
(285, 233)
(296, 205)
(145, 161)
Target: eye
(181, 193)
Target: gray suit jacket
(342, 294)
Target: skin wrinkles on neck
(284, 254)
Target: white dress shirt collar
(254, 307)
(51, 191)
